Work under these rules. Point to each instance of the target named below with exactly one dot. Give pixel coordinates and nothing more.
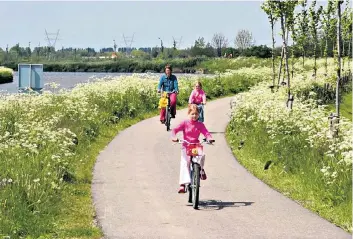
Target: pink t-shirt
(197, 97)
(191, 131)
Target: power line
(128, 43)
(176, 44)
(51, 41)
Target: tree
(346, 32)
(261, 51)
(284, 10)
(339, 40)
(269, 9)
(16, 49)
(313, 28)
(290, 27)
(200, 48)
(244, 39)
(302, 21)
(154, 52)
(219, 41)
(200, 42)
(327, 26)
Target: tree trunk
(303, 55)
(284, 72)
(293, 49)
(338, 57)
(273, 54)
(280, 66)
(292, 62)
(343, 55)
(285, 53)
(315, 47)
(349, 53)
(325, 52)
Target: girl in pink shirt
(191, 129)
(198, 97)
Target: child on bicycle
(191, 129)
(198, 97)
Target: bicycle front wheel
(167, 118)
(196, 185)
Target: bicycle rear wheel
(190, 193)
(195, 185)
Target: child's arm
(204, 98)
(205, 132)
(177, 129)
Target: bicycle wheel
(190, 193)
(167, 118)
(195, 185)
(191, 183)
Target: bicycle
(168, 112)
(195, 151)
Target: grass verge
(294, 171)
(345, 106)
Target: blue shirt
(168, 84)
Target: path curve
(135, 191)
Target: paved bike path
(136, 181)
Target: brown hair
(198, 83)
(168, 67)
(193, 107)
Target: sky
(95, 24)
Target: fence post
(334, 120)
(290, 101)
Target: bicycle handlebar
(203, 141)
(168, 92)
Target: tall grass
(345, 106)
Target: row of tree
(305, 27)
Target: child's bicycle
(195, 152)
(168, 112)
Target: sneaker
(162, 121)
(181, 189)
(173, 116)
(203, 175)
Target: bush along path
(6, 75)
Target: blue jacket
(168, 84)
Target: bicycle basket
(194, 150)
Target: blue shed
(30, 76)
